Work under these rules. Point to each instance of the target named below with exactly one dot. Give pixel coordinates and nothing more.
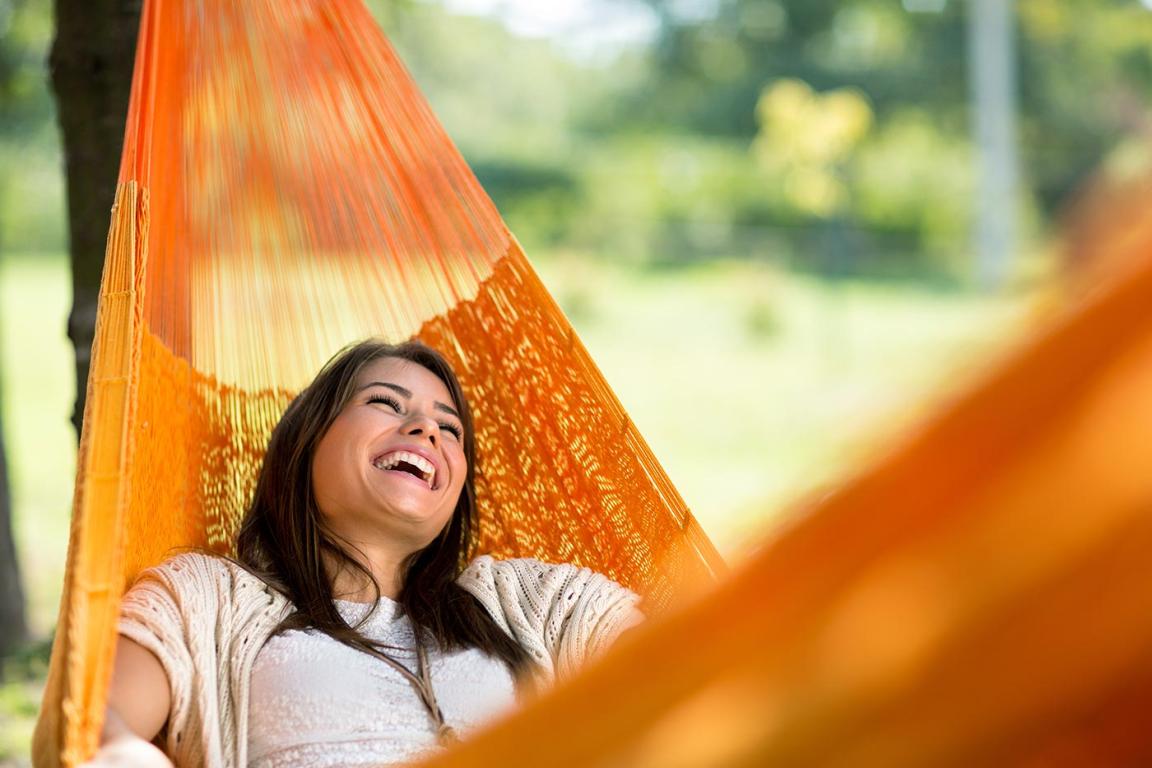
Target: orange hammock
(285, 190)
(978, 598)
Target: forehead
(414, 377)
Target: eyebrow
(408, 394)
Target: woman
(348, 631)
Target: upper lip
(423, 452)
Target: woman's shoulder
(561, 613)
(489, 568)
(526, 575)
(191, 566)
(203, 574)
(198, 589)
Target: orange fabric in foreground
(285, 190)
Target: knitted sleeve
(172, 610)
(561, 615)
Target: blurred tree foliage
(805, 140)
(711, 67)
(25, 26)
(654, 156)
(1086, 68)
(31, 187)
(1084, 71)
(512, 105)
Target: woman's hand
(128, 751)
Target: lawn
(752, 385)
(755, 387)
(37, 382)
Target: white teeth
(390, 460)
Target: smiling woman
(351, 629)
(389, 470)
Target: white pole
(992, 68)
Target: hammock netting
(285, 190)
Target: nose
(422, 425)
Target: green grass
(37, 386)
(752, 386)
(755, 387)
(22, 675)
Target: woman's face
(392, 464)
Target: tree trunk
(13, 627)
(91, 64)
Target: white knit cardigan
(206, 619)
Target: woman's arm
(139, 700)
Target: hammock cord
(285, 189)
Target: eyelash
(395, 404)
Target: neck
(385, 566)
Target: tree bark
(13, 626)
(13, 619)
(91, 63)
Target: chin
(419, 530)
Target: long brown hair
(284, 540)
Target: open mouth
(410, 463)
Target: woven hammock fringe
(85, 632)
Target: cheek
(460, 468)
(322, 475)
(459, 474)
(328, 465)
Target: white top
(317, 702)
(207, 619)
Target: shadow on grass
(22, 675)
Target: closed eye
(391, 401)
